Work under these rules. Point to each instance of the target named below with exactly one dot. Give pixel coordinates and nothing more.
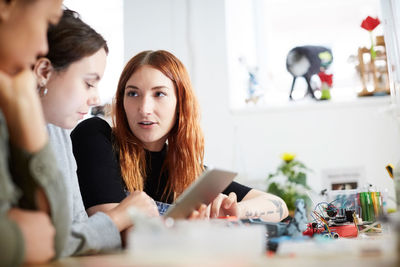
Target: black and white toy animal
(306, 61)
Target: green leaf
(301, 178)
(275, 189)
(271, 175)
(290, 198)
(303, 166)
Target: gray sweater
(21, 174)
(93, 234)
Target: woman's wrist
(119, 218)
(241, 210)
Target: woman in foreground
(33, 224)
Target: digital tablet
(202, 191)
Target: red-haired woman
(156, 145)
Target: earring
(42, 90)
(45, 90)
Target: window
(264, 31)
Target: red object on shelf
(347, 230)
(327, 78)
(370, 23)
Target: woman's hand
(20, 86)
(5, 89)
(20, 103)
(142, 202)
(38, 233)
(224, 205)
(203, 212)
(119, 212)
(221, 206)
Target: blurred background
(249, 121)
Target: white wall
(163, 24)
(106, 18)
(324, 135)
(155, 24)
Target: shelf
(310, 104)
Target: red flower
(327, 78)
(370, 23)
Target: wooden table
(360, 252)
(121, 259)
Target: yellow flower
(288, 157)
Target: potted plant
(289, 181)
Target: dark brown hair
(71, 40)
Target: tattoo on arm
(254, 214)
(278, 206)
(278, 209)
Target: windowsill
(310, 104)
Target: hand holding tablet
(203, 191)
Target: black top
(99, 171)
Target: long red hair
(185, 151)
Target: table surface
(123, 259)
(367, 250)
(373, 258)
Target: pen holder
(371, 205)
(396, 180)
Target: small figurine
(254, 92)
(306, 61)
(326, 84)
